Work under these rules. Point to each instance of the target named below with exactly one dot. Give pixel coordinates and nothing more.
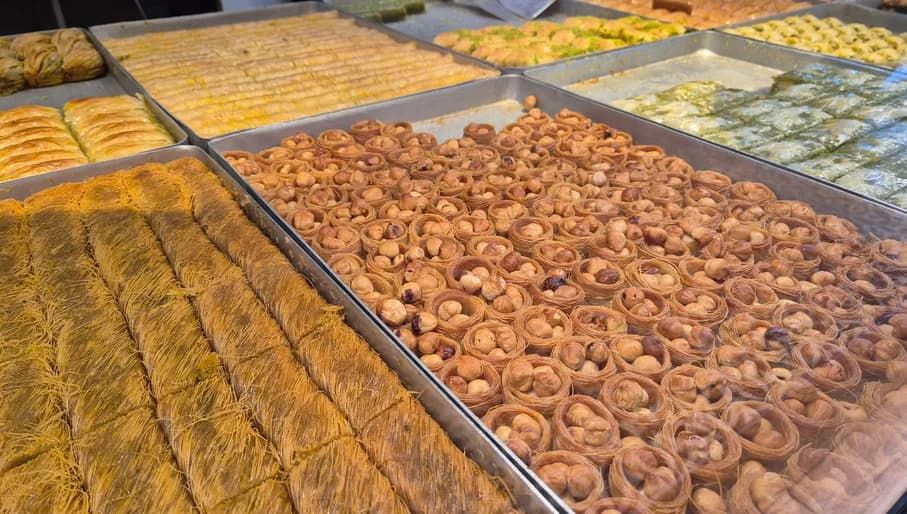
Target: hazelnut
(520, 449)
(639, 461)
(457, 384)
(598, 352)
(539, 327)
(647, 364)
(448, 309)
(424, 322)
(886, 350)
(629, 349)
(769, 439)
(521, 373)
(661, 484)
(577, 414)
(469, 367)
(573, 355)
(392, 312)
(630, 396)
(361, 285)
(484, 340)
(588, 368)
(716, 451)
(708, 501)
(429, 343)
(478, 387)
(432, 360)
(411, 292)
(503, 304)
(545, 381)
(581, 481)
(470, 283)
(555, 476)
(820, 409)
(744, 420)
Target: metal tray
(855, 12)
(860, 11)
(440, 16)
(442, 406)
(735, 61)
(708, 55)
(498, 101)
(137, 28)
(109, 84)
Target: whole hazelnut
(629, 349)
(521, 372)
(392, 312)
(573, 355)
(411, 292)
(820, 409)
(577, 414)
(457, 384)
(478, 386)
(661, 484)
(423, 322)
(469, 367)
(555, 476)
(744, 420)
(581, 481)
(638, 462)
(545, 381)
(630, 396)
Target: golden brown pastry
(43, 66)
(34, 139)
(113, 126)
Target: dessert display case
(597, 265)
(482, 237)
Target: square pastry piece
(785, 152)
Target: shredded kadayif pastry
(249, 394)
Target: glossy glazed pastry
(113, 126)
(539, 42)
(229, 83)
(875, 45)
(34, 139)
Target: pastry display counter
(598, 265)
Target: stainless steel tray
(735, 61)
(441, 16)
(708, 55)
(860, 11)
(137, 28)
(109, 84)
(442, 406)
(855, 12)
(498, 101)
